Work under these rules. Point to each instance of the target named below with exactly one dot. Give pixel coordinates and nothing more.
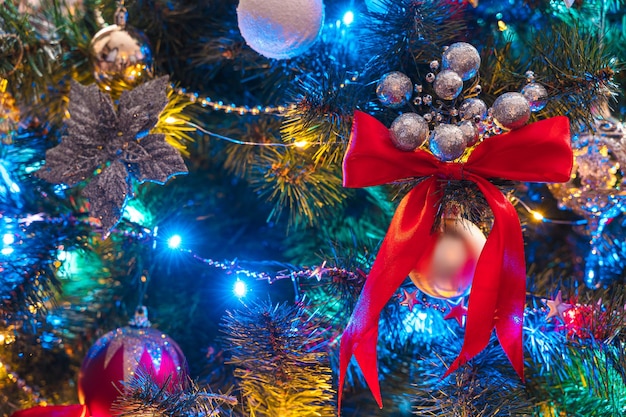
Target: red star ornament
(457, 312)
(409, 299)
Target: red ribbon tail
(511, 301)
(499, 288)
(364, 352)
(512, 344)
(407, 239)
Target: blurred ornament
(280, 29)
(447, 142)
(470, 132)
(409, 131)
(462, 58)
(597, 189)
(448, 85)
(473, 109)
(449, 270)
(511, 111)
(9, 115)
(120, 55)
(536, 95)
(117, 355)
(394, 89)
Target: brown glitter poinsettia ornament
(110, 146)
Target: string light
(174, 241)
(240, 288)
(297, 144)
(536, 215)
(348, 18)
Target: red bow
(539, 152)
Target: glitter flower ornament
(110, 146)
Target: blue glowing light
(133, 214)
(174, 241)
(8, 239)
(348, 18)
(6, 251)
(240, 289)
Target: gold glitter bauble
(121, 56)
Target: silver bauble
(448, 85)
(120, 54)
(511, 111)
(409, 131)
(473, 109)
(394, 89)
(447, 142)
(462, 58)
(536, 95)
(470, 132)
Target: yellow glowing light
(502, 26)
(2, 338)
(300, 143)
(171, 120)
(537, 216)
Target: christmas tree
(306, 207)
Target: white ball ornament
(280, 29)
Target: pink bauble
(448, 271)
(117, 355)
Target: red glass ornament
(584, 322)
(75, 410)
(117, 355)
